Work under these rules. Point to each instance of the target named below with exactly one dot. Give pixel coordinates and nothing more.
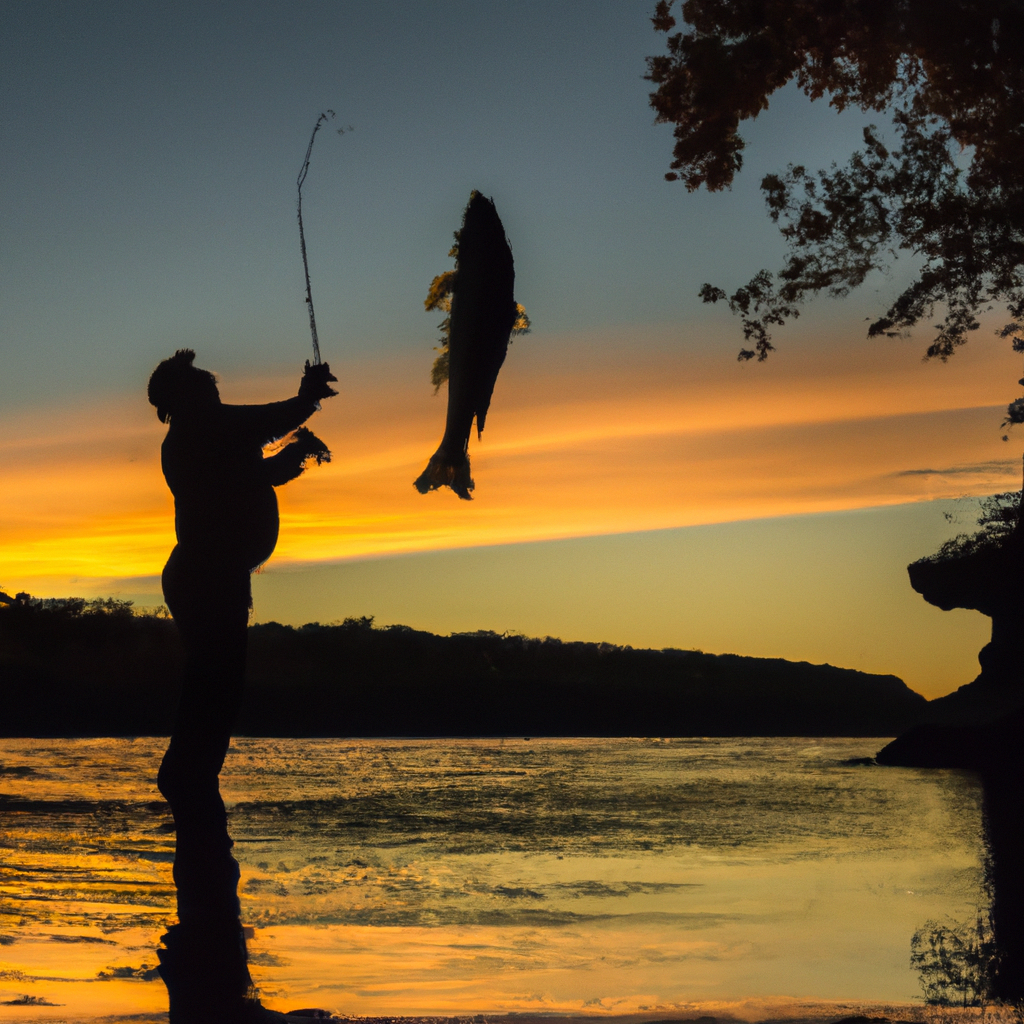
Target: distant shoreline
(74, 669)
(749, 1011)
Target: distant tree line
(74, 667)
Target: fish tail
(446, 469)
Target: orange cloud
(617, 433)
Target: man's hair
(173, 379)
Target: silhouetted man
(226, 522)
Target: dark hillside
(71, 668)
(76, 668)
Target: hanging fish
(482, 315)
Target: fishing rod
(303, 171)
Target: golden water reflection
(443, 877)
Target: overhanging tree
(950, 76)
(949, 73)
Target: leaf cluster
(951, 191)
(997, 520)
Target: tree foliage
(950, 75)
(998, 517)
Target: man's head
(176, 385)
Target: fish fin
(445, 470)
(482, 405)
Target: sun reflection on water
(439, 876)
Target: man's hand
(315, 382)
(310, 446)
(291, 460)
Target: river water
(455, 876)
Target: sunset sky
(635, 484)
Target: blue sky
(151, 154)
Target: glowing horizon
(574, 447)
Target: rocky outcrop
(980, 727)
(989, 579)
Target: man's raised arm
(267, 423)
